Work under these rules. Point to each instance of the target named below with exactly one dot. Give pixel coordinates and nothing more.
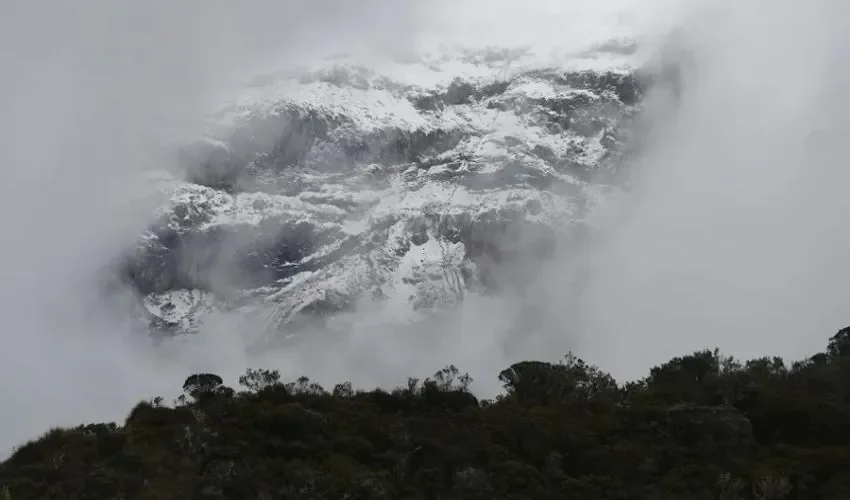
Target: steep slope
(412, 183)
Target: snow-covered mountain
(410, 183)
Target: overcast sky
(735, 235)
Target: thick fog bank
(733, 234)
(736, 233)
(90, 93)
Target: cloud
(735, 234)
(91, 91)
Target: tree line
(701, 426)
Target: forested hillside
(702, 426)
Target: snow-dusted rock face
(319, 189)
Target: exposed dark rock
(244, 256)
(318, 164)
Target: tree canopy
(701, 426)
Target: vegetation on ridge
(702, 426)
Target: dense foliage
(702, 426)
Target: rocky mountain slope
(409, 184)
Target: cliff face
(411, 184)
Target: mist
(731, 234)
(91, 95)
(735, 234)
